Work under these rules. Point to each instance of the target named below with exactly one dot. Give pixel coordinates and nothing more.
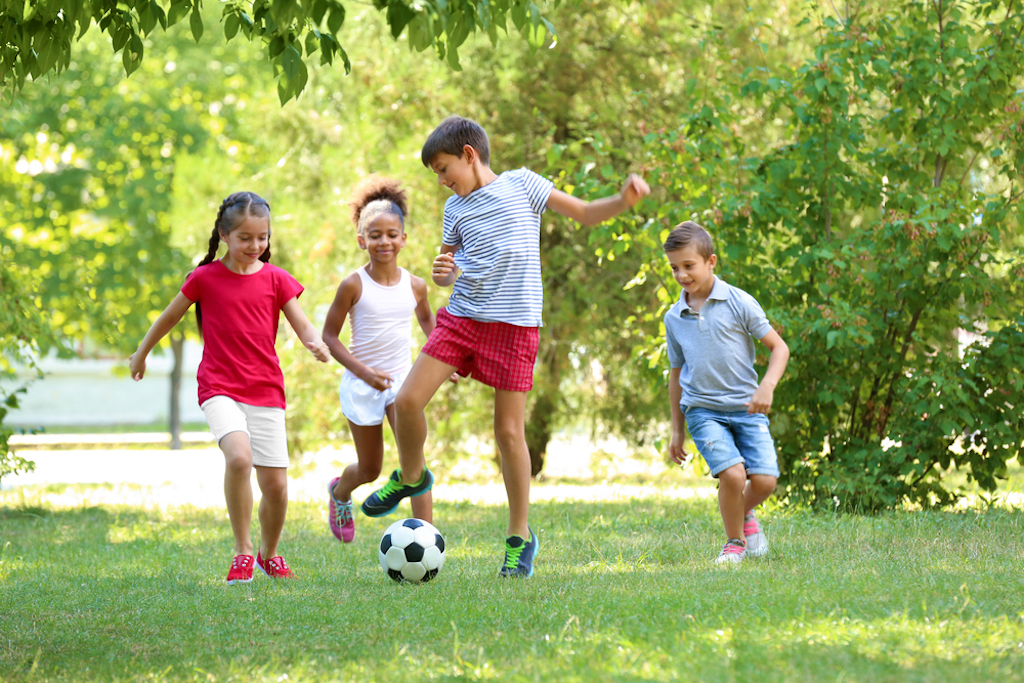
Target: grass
(623, 591)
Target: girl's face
(383, 238)
(247, 242)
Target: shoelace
(751, 527)
(512, 555)
(342, 513)
(390, 487)
(732, 548)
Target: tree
(883, 234)
(38, 36)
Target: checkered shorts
(498, 354)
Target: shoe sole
(234, 581)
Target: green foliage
(38, 35)
(881, 234)
(24, 334)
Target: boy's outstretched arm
(599, 210)
(675, 395)
(761, 401)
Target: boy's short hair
(690, 234)
(451, 135)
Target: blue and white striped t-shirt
(497, 228)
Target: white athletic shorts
(362, 404)
(263, 425)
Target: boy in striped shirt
(490, 327)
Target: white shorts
(362, 404)
(263, 425)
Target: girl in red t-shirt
(241, 388)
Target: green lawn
(623, 591)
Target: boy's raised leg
(510, 433)
(413, 478)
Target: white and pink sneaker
(733, 552)
(757, 542)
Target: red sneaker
(275, 567)
(241, 570)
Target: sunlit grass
(625, 589)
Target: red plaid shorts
(498, 354)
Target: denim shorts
(727, 438)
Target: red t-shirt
(240, 317)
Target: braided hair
(232, 212)
(374, 196)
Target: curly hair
(375, 195)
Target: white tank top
(382, 324)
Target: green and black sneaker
(519, 556)
(384, 501)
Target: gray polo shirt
(714, 348)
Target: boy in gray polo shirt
(714, 390)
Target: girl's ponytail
(231, 213)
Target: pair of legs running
(410, 427)
(273, 483)
(738, 496)
(369, 442)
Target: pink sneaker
(733, 552)
(757, 542)
(241, 570)
(275, 567)
(343, 523)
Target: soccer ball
(411, 550)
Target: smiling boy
(713, 386)
(490, 328)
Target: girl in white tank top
(380, 298)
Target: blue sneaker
(519, 556)
(385, 500)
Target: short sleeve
(676, 359)
(191, 288)
(754, 317)
(538, 189)
(287, 287)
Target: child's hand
(444, 266)
(377, 379)
(675, 449)
(454, 379)
(761, 401)
(137, 365)
(634, 189)
(320, 350)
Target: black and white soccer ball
(411, 550)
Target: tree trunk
(540, 426)
(177, 347)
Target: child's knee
(368, 473)
(238, 461)
(407, 402)
(733, 477)
(763, 483)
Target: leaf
(231, 26)
(291, 60)
(398, 16)
(336, 19)
(196, 23)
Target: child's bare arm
(761, 401)
(160, 327)
(348, 294)
(424, 315)
(675, 394)
(307, 333)
(444, 271)
(599, 210)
